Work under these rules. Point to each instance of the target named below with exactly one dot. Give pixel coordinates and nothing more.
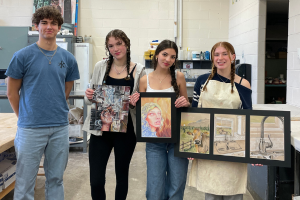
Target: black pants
(99, 150)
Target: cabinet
(83, 54)
(70, 39)
(274, 66)
(12, 39)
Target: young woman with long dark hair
(166, 174)
(121, 71)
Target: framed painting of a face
(156, 117)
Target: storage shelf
(7, 190)
(273, 85)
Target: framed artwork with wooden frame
(234, 135)
(156, 117)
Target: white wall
(205, 22)
(16, 12)
(247, 32)
(293, 65)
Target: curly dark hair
(166, 44)
(47, 12)
(117, 34)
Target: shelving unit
(7, 190)
(197, 64)
(271, 85)
(8, 129)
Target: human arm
(97, 78)
(13, 88)
(68, 88)
(183, 100)
(135, 94)
(143, 84)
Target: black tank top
(123, 82)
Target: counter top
(8, 129)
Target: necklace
(221, 78)
(47, 55)
(117, 70)
(162, 79)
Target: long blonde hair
(230, 50)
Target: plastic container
(207, 55)
(195, 55)
(188, 54)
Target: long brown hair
(117, 34)
(166, 44)
(230, 50)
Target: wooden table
(8, 129)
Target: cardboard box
(281, 55)
(7, 172)
(75, 130)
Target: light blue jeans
(166, 174)
(30, 145)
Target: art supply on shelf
(196, 55)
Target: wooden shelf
(7, 190)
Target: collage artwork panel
(194, 133)
(229, 135)
(110, 113)
(155, 117)
(267, 137)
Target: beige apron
(219, 177)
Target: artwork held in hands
(195, 132)
(156, 117)
(110, 110)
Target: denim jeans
(166, 174)
(30, 145)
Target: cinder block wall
(293, 65)
(247, 33)
(204, 22)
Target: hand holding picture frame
(246, 136)
(110, 112)
(156, 117)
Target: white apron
(219, 177)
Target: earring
(156, 59)
(232, 61)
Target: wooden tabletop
(8, 129)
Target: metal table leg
(297, 173)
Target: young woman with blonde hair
(222, 88)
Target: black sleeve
(196, 93)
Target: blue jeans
(30, 145)
(166, 174)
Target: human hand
(134, 98)
(107, 115)
(89, 93)
(181, 102)
(257, 165)
(190, 158)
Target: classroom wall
(247, 33)
(293, 61)
(205, 22)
